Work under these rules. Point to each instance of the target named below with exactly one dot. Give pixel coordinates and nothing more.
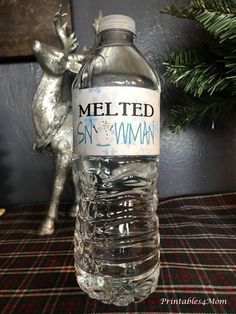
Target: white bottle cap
(116, 21)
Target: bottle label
(116, 121)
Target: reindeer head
(51, 59)
(56, 61)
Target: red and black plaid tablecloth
(198, 261)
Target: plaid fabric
(198, 261)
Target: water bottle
(116, 104)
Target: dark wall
(198, 160)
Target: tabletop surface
(198, 261)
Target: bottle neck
(115, 37)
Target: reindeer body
(53, 125)
(52, 117)
(49, 111)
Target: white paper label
(116, 121)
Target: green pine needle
(185, 12)
(207, 75)
(193, 71)
(206, 109)
(199, 6)
(222, 26)
(222, 6)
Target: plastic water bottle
(116, 102)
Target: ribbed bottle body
(117, 238)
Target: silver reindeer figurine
(52, 117)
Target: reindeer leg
(75, 177)
(62, 165)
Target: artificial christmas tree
(207, 74)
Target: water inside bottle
(117, 238)
(117, 256)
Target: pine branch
(208, 76)
(196, 73)
(184, 12)
(221, 25)
(193, 110)
(221, 6)
(230, 64)
(199, 6)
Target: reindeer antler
(97, 21)
(69, 41)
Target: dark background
(198, 160)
